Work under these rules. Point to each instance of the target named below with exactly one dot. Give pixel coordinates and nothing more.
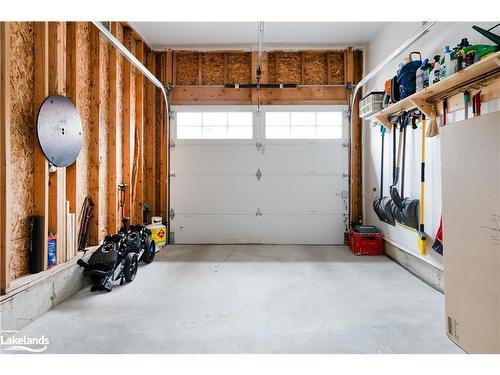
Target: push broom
(421, 232)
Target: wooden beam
(114, 117)
(41, 168)
(167, 59)
(150, 137)
(127, 123)
(138, 166)
(94, 154)
(355, 157)
(71, 92)
(200, 75)
(5, 185)
(57, 180)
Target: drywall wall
(386, 40)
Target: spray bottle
(434, 75)
(448, 66)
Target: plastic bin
(366, 240)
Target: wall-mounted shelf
(425, 100)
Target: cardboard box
(470, 164)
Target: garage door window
(303, 125)
(214, 125)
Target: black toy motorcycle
(118, 257)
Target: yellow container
(158, 231)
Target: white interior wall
(385, 41)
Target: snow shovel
(393, 189)
(381, 204)
(407, 214)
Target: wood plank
(5, 185)
(445, 87)
(41, 168)
(166, 61)
(126, 123)
(71, 90)
(94, 154)
(57, 180)
(112, 215)
(355, 157)
(150, 137)
(138, 167)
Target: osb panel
(187, 71)
(212, 68)
(337, 67)
(315, 69)
(83, 103)
(19, 262)
(288, 67)
(239, 67)
(22, 143)
(104, 125)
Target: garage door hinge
(172, 174)
(345, 175)
(172, 144)
(171, 115)
(345, 144)
(258, 213)
(258, 174)
(172, 214)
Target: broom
(421, 232)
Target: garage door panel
(286, 229)
(198, 228)
(208, 194)
(305, 158)
(216, 158)
(301, 194)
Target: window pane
(277, 132)
(239, 132)
(303, 132)
(329, 132)
(278, 118)
(188, 119)
(240, 119)
(214, 132)
(189, 132)
(214, 118)
(303, 118)
(329, 118)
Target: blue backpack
(406, 76)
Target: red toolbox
(365, 240)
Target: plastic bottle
(448, 66)
(434, 75)
(422, 76)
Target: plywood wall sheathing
(288, 67)
(22, 141)
(239, 67)
(212, 68)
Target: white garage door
(278, 178)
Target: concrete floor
(254, 299)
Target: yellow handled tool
(421, 232)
